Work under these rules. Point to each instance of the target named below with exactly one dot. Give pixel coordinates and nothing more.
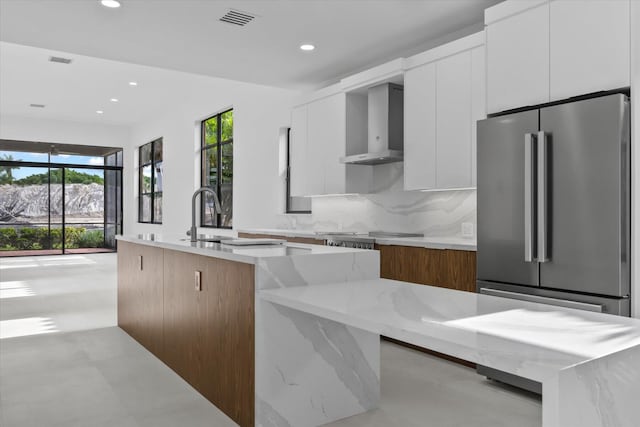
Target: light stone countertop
(588, 363)
(466, 323)
(282, 232)
(455, 243)
(246, 254)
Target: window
(217, 169)
(295, 205)
(59, 198)
(150, 183)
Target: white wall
(63, 132)
(635, 153)
(259, 112)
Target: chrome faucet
(216, 209)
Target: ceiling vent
(237, 17)
(60, 60)
(36, 105)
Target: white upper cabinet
(589, 46)
(443, 99)
(518, 59)
(547, 50)
(327, 144)
(453, 115)
(420, 127)
(298, 151)
(319, 131)
(478, 102)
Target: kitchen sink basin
(210, 239)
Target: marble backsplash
(389, 208)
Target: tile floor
(63, 362)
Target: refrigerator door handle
(542, 197)
(529, 197)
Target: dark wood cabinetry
(204, 333)
(140, 294)
(307, 240)
(209, 329)
(451, 269)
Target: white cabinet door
(589, 46)
(315, 148)
(478, 102)
(326, 121)
(453, 119)
(518, 60)
(298, 152)
(420, 127)
(333, 125)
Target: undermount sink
(210, 239)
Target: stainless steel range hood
(385, 140)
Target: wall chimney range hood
(385, 141)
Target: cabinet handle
(140, 262)
(198, 281)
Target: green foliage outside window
(6, 172)
(35, 238)
(217, 167)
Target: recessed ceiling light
(110, 3)
(133, 83)
(114, 99)
(307, 47)
(99, 111)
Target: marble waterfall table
(320, 355)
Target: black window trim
(153, 193)
(218, 148)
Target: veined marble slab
(249, 255)
(588, 363)
(310, 370)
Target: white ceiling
(185, 35)
(74, 92)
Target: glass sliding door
(26, 198)
(84, 209)
(71, 206)
(113, 208)
(56, 210)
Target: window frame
(153, 193)
(289, 197)
(204, 149)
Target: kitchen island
(289, 335)
(195, 306)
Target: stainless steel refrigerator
(554, 205)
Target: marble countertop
(527, 339)
(282, 232)
(245, 254)
(455, 243)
